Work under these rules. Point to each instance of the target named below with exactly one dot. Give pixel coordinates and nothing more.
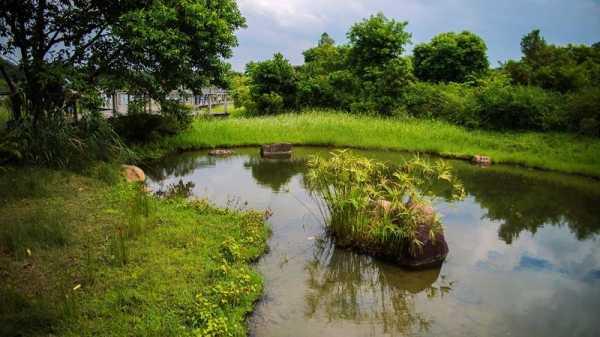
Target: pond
(524, 253)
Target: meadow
(90, 255)
(568, 153)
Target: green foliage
(58, 143)
(141, 128)
(353, 188)
(559, 68)
(500, 107)
(450, 57)
(382, 87)
(152, 47)
(273, 86)
(41, 228)
(440, 101)
(376, 41)
(490, 103)
(240, 87)
(584, 111)
(180, 268)
(533, 47)
(323, 80)
(552, 151)
(376, 46)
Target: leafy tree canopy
(560, 68)
(376, 41)
(273, 84)
(153, 46)
(450, 57)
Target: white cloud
(290, 26)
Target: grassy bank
(554, 151)
(90, 256)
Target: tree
(153, 46)
(326, 40)
(376, 41)
(450, 57)
(533, 46)
(322, 64)
(375, 58)
(560, 68)
(273, 85)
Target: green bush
(273, 86)
(502, 107)
(269, 104)
(177, 113)
(439, 101)
(450, 57)
(142, 128)
(583, 109)
(59, 143)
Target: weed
(39, 228)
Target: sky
(291, 26)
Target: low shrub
(440, 101)
(583, 109)
(142, 128)
(502, 107)
(60, 143)
(268, 104)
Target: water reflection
(523, 200)
(524, 254)
(274, 173)
(178, 165)
(346, 286)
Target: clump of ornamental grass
(372, 206)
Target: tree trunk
(15, 98)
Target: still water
(524, 254)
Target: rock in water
(276, 151)
(133, 173)
(482, 160)
(220, 152)
(433, 252)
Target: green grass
(231, 109)
(83, 257)
(553, 151)
(4, 113)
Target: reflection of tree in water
(348, 286)
(527, 202)
(274, 173)
(178, 165)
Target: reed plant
(376, 207)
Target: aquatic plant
(375, 207)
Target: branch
(81, 49)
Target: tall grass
(554, 151)
(178, 267)
(375, 208)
